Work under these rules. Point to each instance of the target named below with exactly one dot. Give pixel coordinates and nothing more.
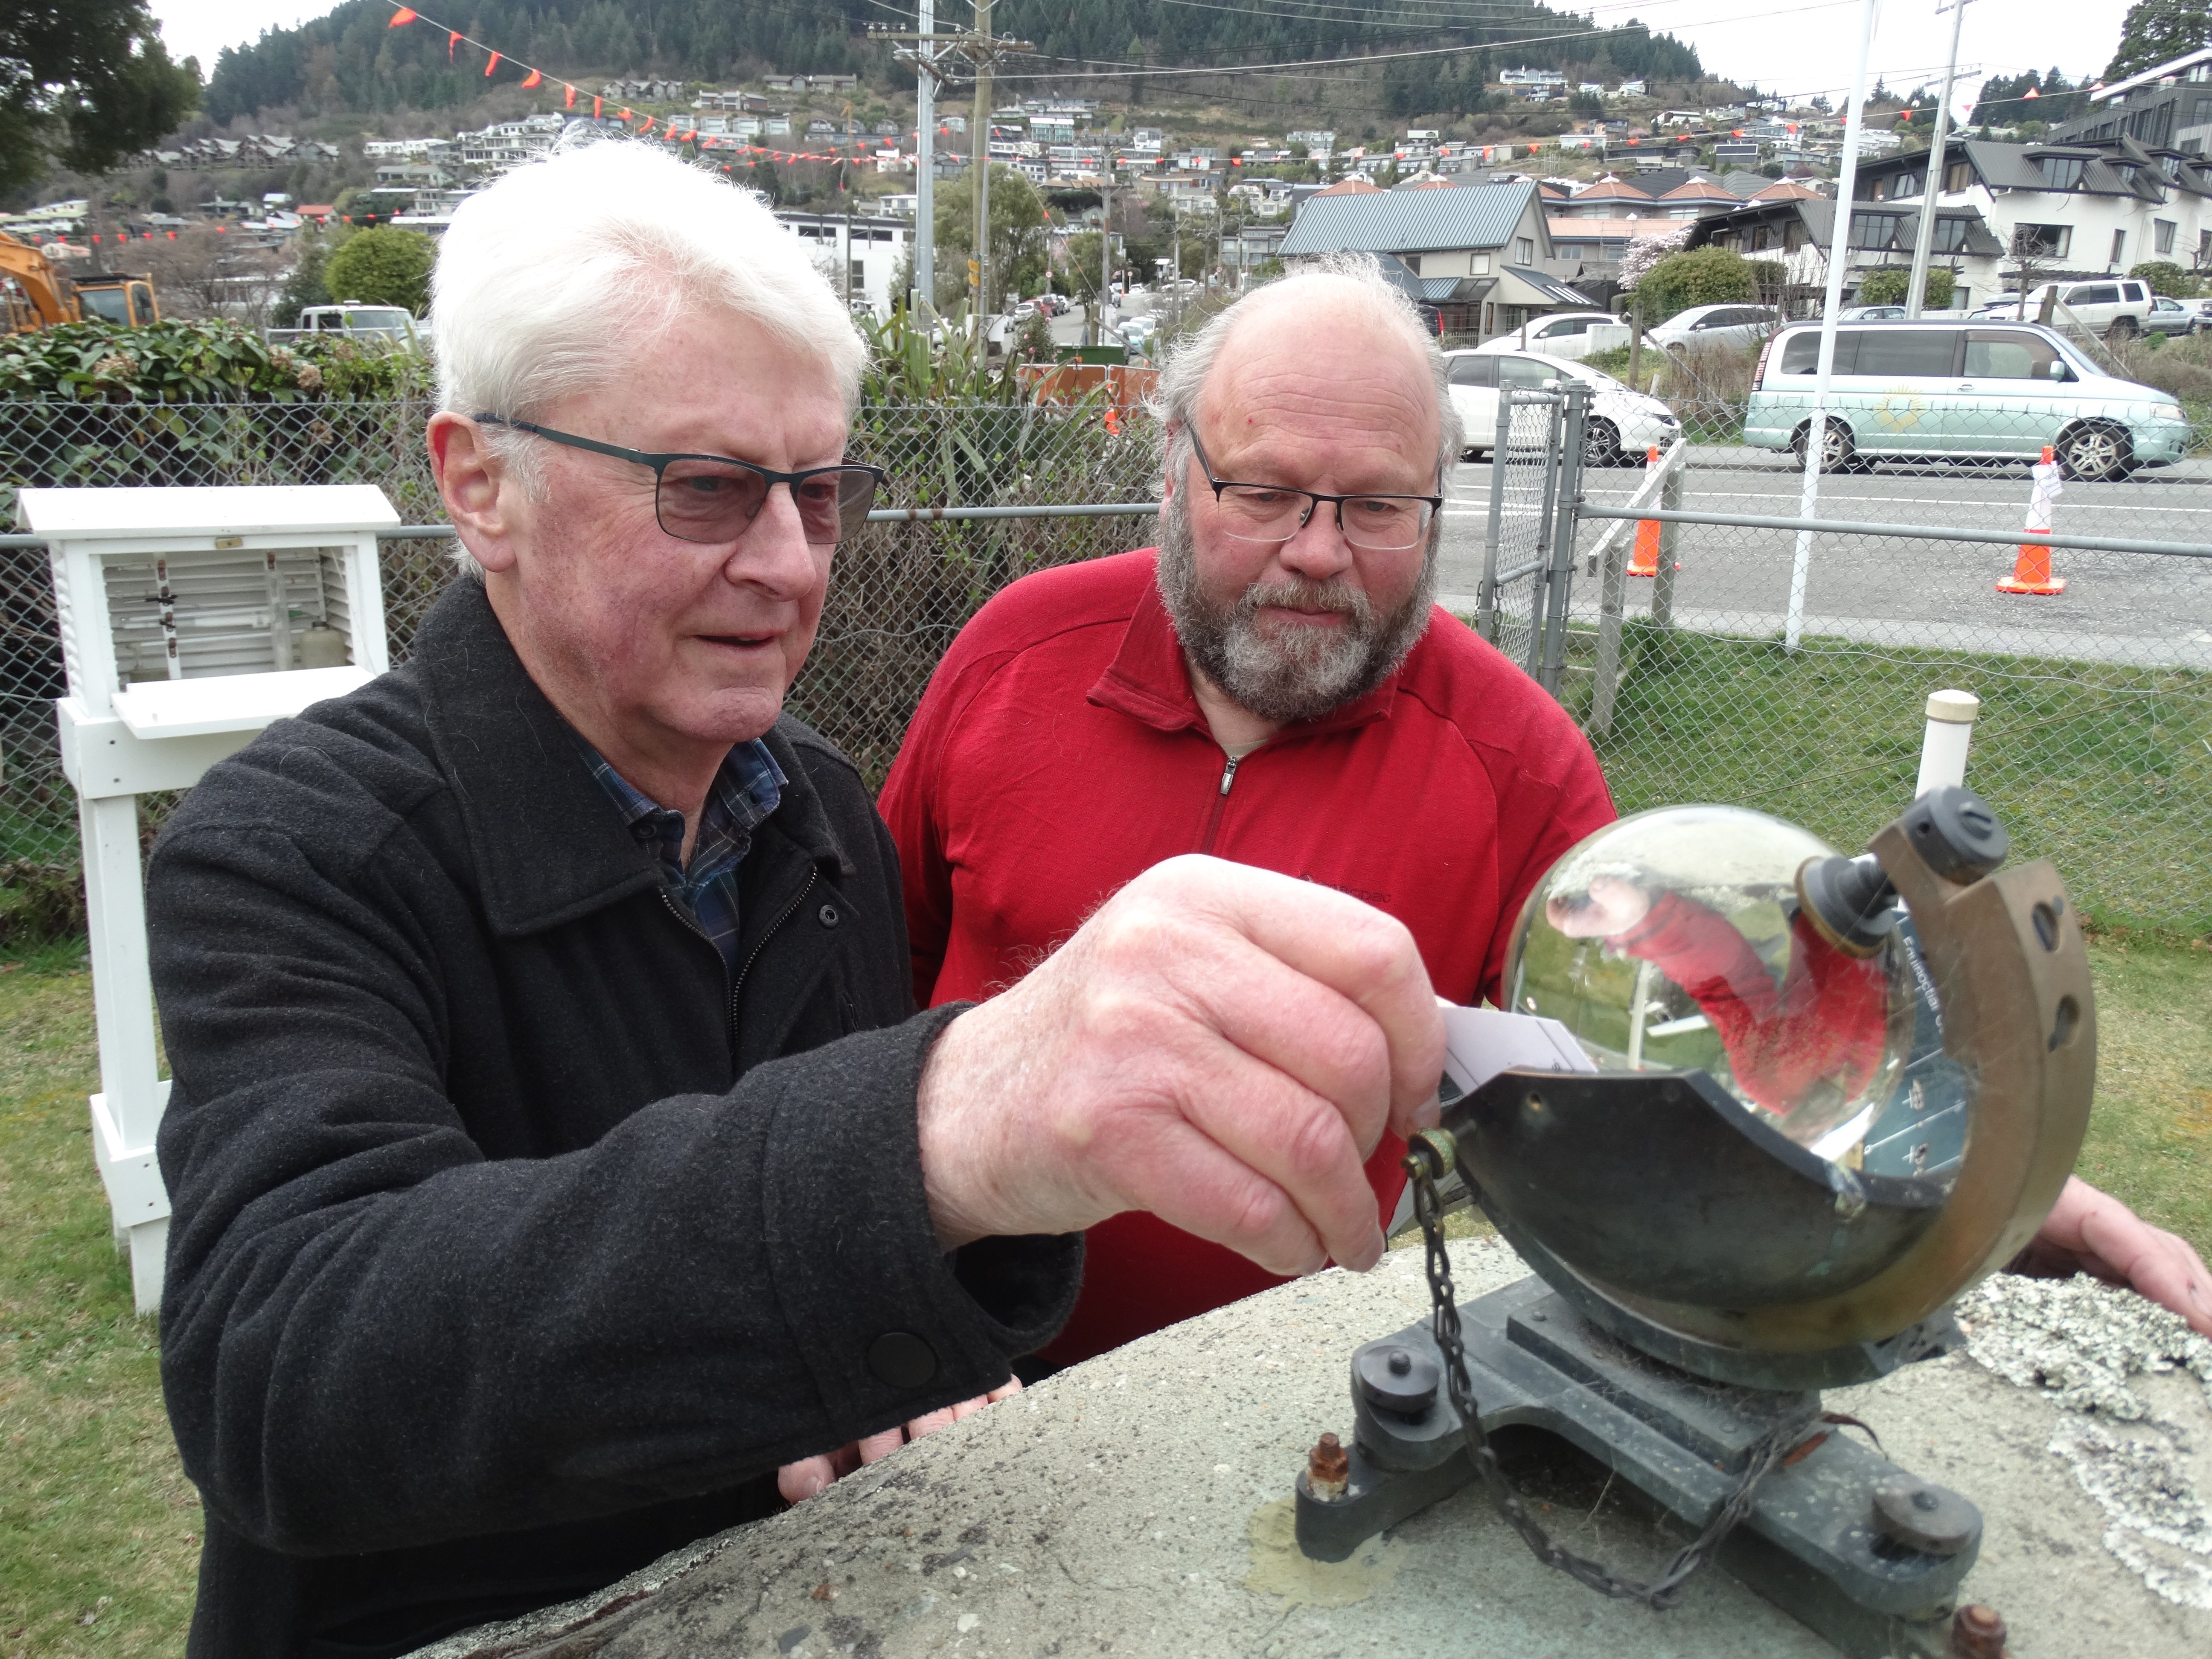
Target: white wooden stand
(182, 612)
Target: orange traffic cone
(1646, 560)
(2031, 571)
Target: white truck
(2117, 307)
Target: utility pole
(924, 168)
(931, 55)
(979, 145)
(1922, 244)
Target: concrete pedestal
(1140, 1504)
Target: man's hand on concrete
(2093, 1233)
(803, 1479)
(1219, 1045)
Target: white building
(859, 256)
(2075, 210)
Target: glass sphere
(1673, 941)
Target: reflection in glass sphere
(1672, 941)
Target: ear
(481, 497)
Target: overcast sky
(1798, 49)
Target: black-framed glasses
(1270, 512)
(715, 498)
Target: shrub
(198, 362)
(2165, 277)
(1703, 276)
(383, 267)
(1887, 286)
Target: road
(2130, 608)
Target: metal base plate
(1810, 1544)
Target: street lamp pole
(925, 165)
(1924, 242)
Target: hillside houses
(262, 149)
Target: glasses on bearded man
(1270, 512)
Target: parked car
(1622, 424)
(2169, 316)
(1871, 314)
(1700, 325)
(2110, 306)
(1573, 334)
(1975, 391)
(362, 322)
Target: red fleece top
(1060, 751)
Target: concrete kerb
(1139, 1504)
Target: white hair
(1352, 289)
(551, 281)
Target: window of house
(1478, 264)
(1524, 250)
(2041, 241)
(1950, 235)
(1958, 175)
(2119, 245)
(2001, 354)
(2203, 248)
(2163, 231)
(1873, 230)
(2061, 172)
(1762, 237)
(1907, 184)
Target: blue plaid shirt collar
(746, 789)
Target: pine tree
(2158, 31)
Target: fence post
(1670, 534)
(1636, 343)
(1501, 444)
(1540, 583)
(1566, 496)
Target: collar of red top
(1150, 681)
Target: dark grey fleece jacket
(513, 1243)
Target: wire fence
(2096, 735)
(1756, 660)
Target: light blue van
(1969, 392)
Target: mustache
(1335, 597)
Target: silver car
(1705, 325)
(1622, 426)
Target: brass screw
(1977, 1632)
(1327, 1469)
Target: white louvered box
(190, 619)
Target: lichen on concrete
(2109, 1360)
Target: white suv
(2114, 306)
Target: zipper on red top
(1221, 802)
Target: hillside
(351, 62)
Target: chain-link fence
(902, 590)
(2096, 735)
(1756, 659)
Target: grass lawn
(99, 1529)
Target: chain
(1423, 1164)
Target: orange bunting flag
(403, 16)
(453, 40)
(173, 235)
(597, 103)
(95, 239)
(569, 102)
(625, 113)
(491, 62)
(670, 133)
(690, 136)
(532, 78)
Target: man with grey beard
(1273, 684)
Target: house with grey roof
(2058, 210)
(1481, 253)
(1794, 232)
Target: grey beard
(1304, 672)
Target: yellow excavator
(37, 292)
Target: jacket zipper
(738, 984)
(1221, 803)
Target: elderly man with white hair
(554, 1150)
